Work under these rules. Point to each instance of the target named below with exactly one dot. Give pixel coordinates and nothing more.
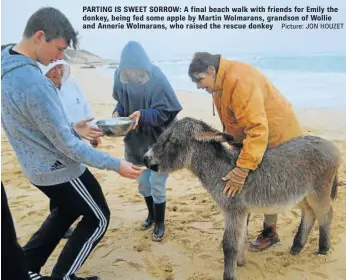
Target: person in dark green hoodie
(143, 92)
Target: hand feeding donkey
(301, 171)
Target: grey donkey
(301, 171)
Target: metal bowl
(115, 127)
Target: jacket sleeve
(87, 110)
(120, 109)
(155, 117)
(248, 106)
(43, 106)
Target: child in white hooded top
(72, 98)
(75, 104)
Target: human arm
(246, 101)
(44, 109)
(118, 111)
(151, 117)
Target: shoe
(159, 229)
(37, 276)
(73, 277)
(87, 278)
(267, 238)
(148, 222)
(68, 233)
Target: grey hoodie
(33, 118)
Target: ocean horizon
(317, 80)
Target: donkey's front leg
(233, 240)
(242, 221)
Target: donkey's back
(291, 171)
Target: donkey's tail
(334, 191)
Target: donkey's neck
(210, 161)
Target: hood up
(67, 70)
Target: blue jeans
(153, 184)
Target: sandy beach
(192, 248)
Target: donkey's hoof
(229, 277)
(296, 249)
(323, 251)
(226, 277)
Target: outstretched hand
(87, 131)
(129, 170)
(137, 116)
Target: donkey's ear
(201, 131)
(218, 137)
(214, 136)
(230, 140)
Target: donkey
(301, 171)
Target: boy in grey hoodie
(49, 149)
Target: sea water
(307, 81)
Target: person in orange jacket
(254, 112)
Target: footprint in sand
(287, 219)
(185, 209)
(295, 213)
(135, 199)
(109, 147)
(160, 268)
(278, 254)
(16, 204)
(312, 240)
(269, 259)
(36, 213)
(286, 264)
(18, 172)
(202, 226)
(166, 267)
(133, 264)
(205, 256)
(144, 245)
(206, 216)
(21, 197)
(200, 276)
(320, 274)
(259, 268)
(103, 250)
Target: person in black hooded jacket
(143, 92)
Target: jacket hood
(67, 70)
(133, 55)
(10, 62)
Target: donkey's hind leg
(321, 205)
(305, 227)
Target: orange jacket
(253, 111)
